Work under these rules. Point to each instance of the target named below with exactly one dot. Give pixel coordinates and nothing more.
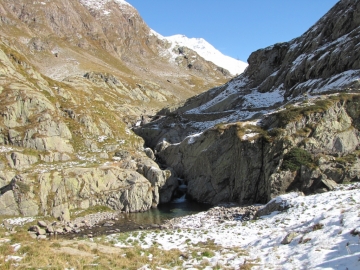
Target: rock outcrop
(245, 163)
(280, 126)
(54, 193)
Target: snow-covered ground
(326, 229)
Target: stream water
(146, 220)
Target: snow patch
(6, 149)
(20, 221)
(102, 138)
(267, 99)
(340, 80)
(249, 136)
(100, 4)
(192, 138)
(231, 89)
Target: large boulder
(120, 189)
(280, 203)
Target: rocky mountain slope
(70, 38)
(75, 77)
(289, 122)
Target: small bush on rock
(295, 158)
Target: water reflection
(157, 216)
(164, 212)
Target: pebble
(108, 224)
(42, 224)
(41, 237)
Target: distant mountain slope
(208, 52)
(70, 38)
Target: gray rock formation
(57, 192)
(280, 203)
(164, 182)
(20, 161)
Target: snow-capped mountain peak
(205, 50)
(99, 4)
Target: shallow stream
(151, 219)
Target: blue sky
(235, 27)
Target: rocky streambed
(104, 223)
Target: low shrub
(317, 226)
(295, 158)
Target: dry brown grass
(100, 253)
(84, 254)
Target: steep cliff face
(277, 126)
